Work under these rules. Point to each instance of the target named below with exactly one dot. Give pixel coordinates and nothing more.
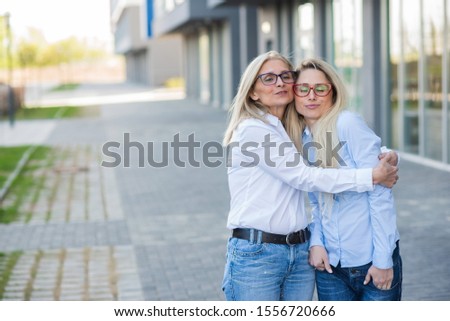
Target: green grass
(24, 184)
(7, 263)
(57, 112)
(63, 87)
(9, 157)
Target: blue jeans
(258, 271)
(346, 284)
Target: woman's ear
(254, 96)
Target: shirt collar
(273, 120)
(306, 132)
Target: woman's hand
(385, 173)
(382, 278)
(394, 157)
(318, 257)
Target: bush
(18, 97)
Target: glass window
(404, 53)
(163, 7)
(348, 47)
(447, 34)
(204, 67)
(417, 50)
(305, 30)
(433, 36)
(395, 60)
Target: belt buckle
(287, 239)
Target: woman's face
(312, 106)
(278, 95)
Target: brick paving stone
(13, 296)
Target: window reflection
(204, 67)
(348, 52)
(305, 34)
(417, 34)
(410, 41)
(163, 7)
(396, 95)
(447, 34)
(433, 24)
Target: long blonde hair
(327, 124)
(243, 106)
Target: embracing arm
(278, 157)
(394, 156)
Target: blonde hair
(243, 106)
(327, 124)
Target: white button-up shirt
(266, 178)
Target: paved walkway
(89, 232)
(28, 132)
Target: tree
(2, 42)
(33, 52)
(27, 54)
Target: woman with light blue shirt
(354, 242)
(267, 253)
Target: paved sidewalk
(70, 241)
(132, 233)
(99, 94)
(28, 132)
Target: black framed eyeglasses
(288, 77)
(303, 90)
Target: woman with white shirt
(267, 255)
(354, 242)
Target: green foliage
(27, 54)
(35, 51)
(3, 41)
(9, 156)
(24, 184)
(63, 52)
(7, 264)
(57, 112)
(64, 87)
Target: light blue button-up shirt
(361, 227)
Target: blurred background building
(149, 60)
(393, 54)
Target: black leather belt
(298, 237)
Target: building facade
(149, 60)
(394, 56)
